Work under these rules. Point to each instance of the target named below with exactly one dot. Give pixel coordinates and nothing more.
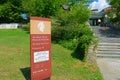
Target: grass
(65, 67)
(14, 54)
(15, 60)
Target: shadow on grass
(26, 72)
(78, 53)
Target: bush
(70, 44)
(82, 47)
(72, 31)
(64, 33)
(77, 39)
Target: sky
(99, 4)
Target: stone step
(109, 40)
(108, 47)
(108, 52)
(107, 56)
(109, 44)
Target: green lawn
(15, 60)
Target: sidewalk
(109, 67)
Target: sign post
(40, 48)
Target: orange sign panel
(40, 48)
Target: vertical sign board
(40, 48)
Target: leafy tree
(3, 1)
(77, 15)
(71, 29)
(10, 11)
(43, 8)
(116, 9)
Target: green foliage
(72, 31)
(3, 1)
(68, 25)
(10, 12)
(82, 47)
(116, 10)
(64, 33)
(78, 14)
(85, 37)
(42, 8)
(76, 39)
(69, 44)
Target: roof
(97, 15)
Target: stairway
(108, 50)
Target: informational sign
(40, 48)
(41, 56)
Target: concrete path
(110, 68)
(108, 56)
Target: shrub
(77, 39)
(72, 31)
(82, 47)
(70, 44)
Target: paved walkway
(109, 67)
